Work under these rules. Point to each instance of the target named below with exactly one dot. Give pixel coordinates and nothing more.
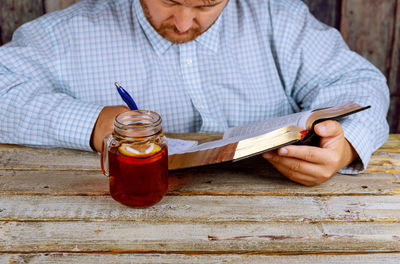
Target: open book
(252, 139)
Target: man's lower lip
(180, 33)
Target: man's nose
(183, 19)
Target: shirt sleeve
(319, 70)
(35, 108)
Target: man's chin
(180, 38)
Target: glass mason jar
(135, 157)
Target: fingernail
(267, 155)
(283, 151)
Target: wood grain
(69, 172)
(68, 258)
(199, 238)
(204, 209)
(372, 29)
(243, 212)
(394, 76)
(391, 145)
(14, 13)
(23, 158)
(327, 11)
(384, 162)
(55, 206)
(232, 179)
(52, 5)
(367, 27)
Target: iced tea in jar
(135, 157)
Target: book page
(212, 144)
(265, 126)
(179, 145)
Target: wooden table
(55, 208)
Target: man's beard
(169, 31)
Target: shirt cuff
(74, 124)
(362, 139)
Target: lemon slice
(139, 150)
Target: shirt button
(189, 62)
(199, 103)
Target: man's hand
(105, 124)
(313, 165)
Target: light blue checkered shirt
(260, 59)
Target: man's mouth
(179, 32)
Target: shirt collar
(209, 39)
(160, 44)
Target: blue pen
(126, 97)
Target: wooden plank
(52, 5)
(229, 182)
(204, 209)
(68, 258)
(142, 237)
(327, 11)
(25, 158)
(371, 28)
(15, 13)
(368, 27)
(392, 145)
(171, 208)
(394, 77)
(66, 182)
(221, 180)
(394, 110)
(384, 162)
(53, 183)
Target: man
(204, 65)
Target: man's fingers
(300, 171)
(301, 166)
(294, 164)
(307, 153)
(105, 124)
(310, 165)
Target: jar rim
(136, 119)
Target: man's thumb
(328, 128)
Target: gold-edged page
(228, 150)
(267, 141)
(202, 157)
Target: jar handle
(107, 141)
